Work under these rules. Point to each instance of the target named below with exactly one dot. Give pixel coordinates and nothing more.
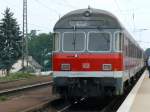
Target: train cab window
(118, 42)
(99, 42)
(74, 41)
(56, 41)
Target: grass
(16, 76)
(3, 98)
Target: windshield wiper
(74, 38)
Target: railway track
(21, 79)
(27, 98)
(23, 88)
(4, 82)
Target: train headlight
(107, 67)
(87, 13)
(85, 65)
(65, 67)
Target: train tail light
(65, 67)
(107, 67)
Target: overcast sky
(43, 14)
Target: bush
(3, 98)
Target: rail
(10, 91)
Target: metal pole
(25, 35)
(26, 38)
(23, 39)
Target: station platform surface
(141, 101)
(138, 100)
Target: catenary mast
(25, 35)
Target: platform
(139, 98)
(141, 102)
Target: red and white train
(94, 55)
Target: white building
(16, 67)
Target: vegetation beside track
(17, 76)
(3, 98)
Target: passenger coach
(93, 55)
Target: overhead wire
(14, 5)
(120, 10)
(133, 19)
(143, 42)
(9, 3)
(45, 6)
(39, 26)
(65, 3)
(118, 6)
(70, 4)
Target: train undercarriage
(87, 87)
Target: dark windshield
(99, 42)
(74, 41)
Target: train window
(125, 46)
(130, 49)
(74, 41)
(56, 42)
(99, 42)
(118, 41)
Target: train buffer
(139, 98)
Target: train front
(87, 59)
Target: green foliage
(3, 98)
(39, 47)
(16, 76)
(147, 52)
(10, 41)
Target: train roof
(91, 10)
(94, 14)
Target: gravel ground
(27, 100)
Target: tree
(10, 41)
(147, 52)
(39, 46)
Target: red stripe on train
(96, 61)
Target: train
(93, 55)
